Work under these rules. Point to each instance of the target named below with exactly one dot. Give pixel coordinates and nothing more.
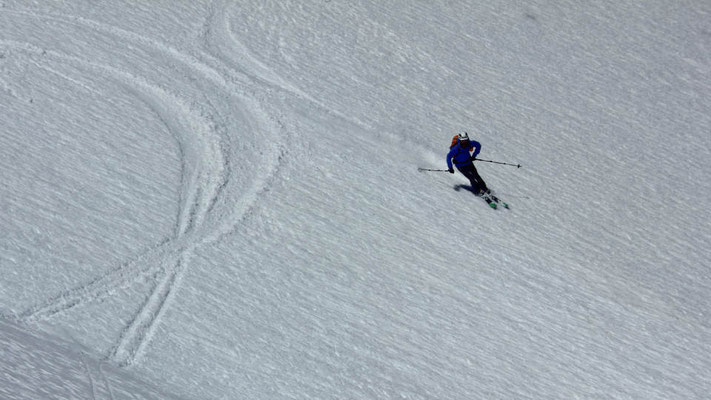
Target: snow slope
(45, 367)
(223, 199)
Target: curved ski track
(224, 48)
(211, 204)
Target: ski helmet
(463, 138)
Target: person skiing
(459, 153)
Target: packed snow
(221, 200)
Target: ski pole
(498, 162)
(432, 170)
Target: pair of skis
(490, 198)
(494, 201)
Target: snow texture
(220, 200)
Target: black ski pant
(478, 184)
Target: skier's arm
(451, 154)
(477, 148)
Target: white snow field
(220, 200)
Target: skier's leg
(474, 179)
(481, 185)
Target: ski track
(224, 48)
(109, 391)
(141, 329)
(90, 377)
(192, 212)
(97, 378)
(206, 213)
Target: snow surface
(46, 367)
(220, 200)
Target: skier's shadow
(468, 188)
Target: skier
(459, 151)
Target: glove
(451, 170)
(473, 159)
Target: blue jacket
(461, 155)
